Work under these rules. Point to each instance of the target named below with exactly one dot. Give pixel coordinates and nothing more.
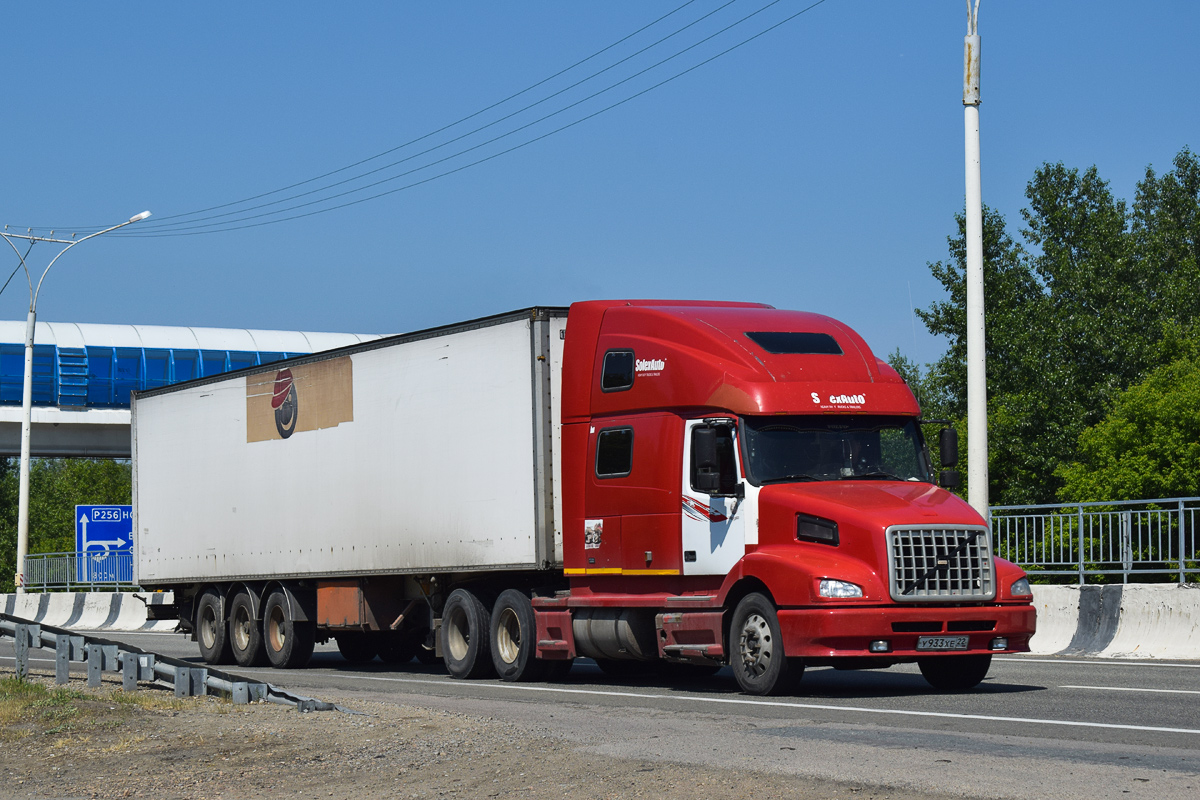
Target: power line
(188, 225)
(233, 227)
(460, 137)
(421, 138)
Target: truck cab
(752, 487)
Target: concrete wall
(1119, 621)
(85, 611)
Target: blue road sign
(104, 544)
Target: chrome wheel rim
(756, 646)
(276, 632)
(241, 629)
(458, 637)
(508, 636)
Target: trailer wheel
(212, 634)
(245, 634)
(289, 642)
(756, 649)
(466, 630)
(357, 647)
(514, 638)
(955, 673)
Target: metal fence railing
(91, 571)
(1131, 538)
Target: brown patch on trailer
(306, 397)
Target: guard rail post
(1182, 546)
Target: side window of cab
(617, 374)
(614, 453)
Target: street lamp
(977, 431)
(27, 391)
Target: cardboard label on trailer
(302, 398)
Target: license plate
(941, 642)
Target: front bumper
(842, 631)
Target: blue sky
(817, 167)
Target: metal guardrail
(1131, 538)
(90, 572)
(139, 666)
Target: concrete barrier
(1119, 621)
(1157, 621)
(1057, 618)
(84, 611)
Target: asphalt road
(1037, 727)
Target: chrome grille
(927, 565)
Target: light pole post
(27, 388)
(977, 430)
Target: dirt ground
(81, 743)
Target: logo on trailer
(283, 400)
(700, 512)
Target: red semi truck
(639, 482)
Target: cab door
(714, 530)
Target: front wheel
(756, 649)
(955, 673)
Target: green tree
(56, 486)
(1095, 296)
(1147, 446)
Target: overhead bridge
(83, 374)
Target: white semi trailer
(303, 494)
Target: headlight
(1020, 588)
(832, 588)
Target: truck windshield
(810, 448)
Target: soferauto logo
(841, 399)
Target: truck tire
(955, 673)
(514, 638)
(289, 642)
(756, 649)
(212, 634)
(245, 633)
(357, 647)
(466, 634)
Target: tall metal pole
(27, 390)
(977, 432)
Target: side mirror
(704, 459)
(948, 444)
(949, 479)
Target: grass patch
(35, 706)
